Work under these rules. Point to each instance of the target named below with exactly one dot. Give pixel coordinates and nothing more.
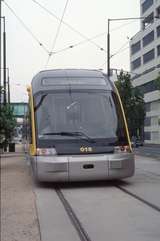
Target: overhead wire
(68, 25)
(86, 39)
(57, 33)
(114, 55)
(26, 28)
(122, 25)
(120, 50)
(78, 43)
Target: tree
(157, 82)
(133, 104)
(7, 122)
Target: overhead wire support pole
(108, 36)
(108, 39)
(0, 49)
(108, 50)
(4, 60)
(8, 83)
(0, 52)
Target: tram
(76, 127)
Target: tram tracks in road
(135, 196)
(149, 173)
(83, 235)
(76, 203)
(76, 222)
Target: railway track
(82, 232)
(149, 204)
(152, 174)
(88, 208)
(74, 219)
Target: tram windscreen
(97, 114)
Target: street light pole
(0, 53)
(108, 38)
(7, 86)
(0, 48)
(4, 59)
(8, 82)
(108, 49)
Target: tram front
(80, 129)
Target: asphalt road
(100, 211)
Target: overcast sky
(25, 57)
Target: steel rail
(152, 174)
(74, 219)
(149, 204)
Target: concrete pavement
(19, 220)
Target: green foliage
(133, 104)
(8, 123)
(157, 82)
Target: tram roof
(73, 78)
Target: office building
(145, 66)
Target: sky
(25, 56)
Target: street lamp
(108, 37)
(0, 45)
(4, 59)
(8, 84)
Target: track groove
(152, 174)
(75, 221)
(153, 206)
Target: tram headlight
(122, 149)
(46, 152)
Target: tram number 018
(86, 149)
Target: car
(139, 142)
(136, 142)
(17, 140)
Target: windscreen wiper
(73, 133)
(40, 102)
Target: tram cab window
(93, 113)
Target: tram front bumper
(49, 168)
(121, 165)
(83, 168)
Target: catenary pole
(108, 38)
(0, 49)
(4, 60)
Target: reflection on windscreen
(91, 113)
